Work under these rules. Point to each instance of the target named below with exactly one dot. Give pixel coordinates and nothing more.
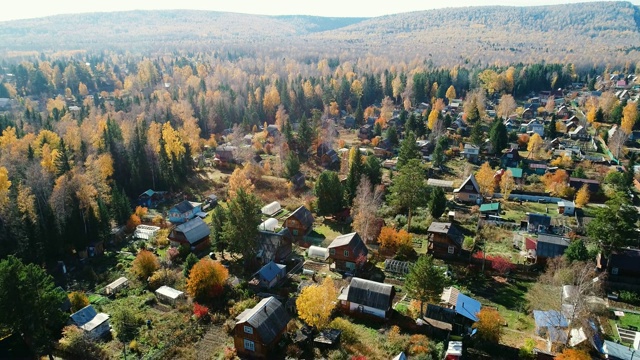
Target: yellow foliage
(239, 180)
(485, 179)
(173, 144)
(206, 279)
(629, 115)
(535, 143)
(26, 202)
(145, 264)
(8, 137)
(316, 302)
(433, 118)
(78, 300)
(451, 93)
(389, 238)
(507, 184)
(489, 325)
(48, 158)
(5, 184)
(582, 197)
(562, 161)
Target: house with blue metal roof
(551, 324)
(269, 275)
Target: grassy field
(515, 211)
(628, 320)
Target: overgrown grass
(629, 319)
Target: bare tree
(365, 206)
(616, 141)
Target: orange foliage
(556, 183)
(489, 325)
(134, 220)
(375, 141)
(523, 139)
(145, 264)
(573, 354)
(206, 279)
(389, 238)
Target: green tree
(359, 115)
(291, 165)
(62, 160)
(329, 192)
(579, 173)
(408, 190)
(550, 130)
(425, 281)
(373, 170)
(408, 150)
(600, 115)
(614, 225)
(392, 136)
(437, 202)
(498, 136)
(477, 133)
(354, 175)
(30, 304)
(191, 260)
(305, 135)
(577, 251)
(241, 229)
(126, 323)
(377, 129)
(218, 219)
(438, 153)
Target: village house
(621, 263)
(258, 330)
(194, 234)
(511, 158)
(471, 152)
(366, 297)
(550, 246)
(490, 209)
(517, 174)
(150, 199)
(469, 191)
(274, 246)
(225, 154)
(466, 309)
(535, 126)
(268, 276)
(444, 239)
(298, 181)
(365, 132)
(562, 112)
(579, 133)
(184, 211)
(592, 185)
(347, 252)
(538, 168)
(536, 223)
(299, 222)
(566, 208)
(92, 323)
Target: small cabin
(169, 295)
(566, 208)
(117, 285)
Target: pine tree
(498, 136)
(329, 192)
(437, 203)
(62, 161)
(392, 136)
(359, 115)
(408, 150)
(355, 172)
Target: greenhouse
(397, 267)
(318, 253)
(270, 224)
(271, 209)
(145, 232)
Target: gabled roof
(88, 318)
(450, 296)
(516, 172)
(303, 215)
(448, 229)
(346, 239)
(194, 230)
(270, 271)
(369, 293)
(169, 292)
(490, 207)
(468, 307)
(550, 318)
(470, 180)
(269, 318)
(182, 207)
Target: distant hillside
(587, 33)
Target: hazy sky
(21, 9)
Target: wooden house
(258, 330)
(471, 152)
(490, 209)
(365, 132)
(274, 246)
(346, 250)
(469, 191)
(194, 234)
(151, 198)
(551, 246)
(184, 211)
(298, 181)
(366, 297)
(444, 239)
(299, 223)
(621, 263)
(466, 309)
(536, 223)
(592, 185)
(579, 133)
(511, 158)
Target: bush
(163, 277)
(145, 264)
(134, 346)
(241, 306)
(229, 325)
(78, 300)
(200, 311)
(630, 297)
(349, 335)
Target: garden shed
(271, 209)
(117, 285)
(270, 224)
(397, 267)
(318, 253)
(169, 295)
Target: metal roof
(88, 318)
(270, 271)
(182, 207)
(169, 292)
(194, 230)
(269, 318)
(516, 172)
(550, 318)
(370, 293)
(303, 215)
(468, 307)
(490, 207)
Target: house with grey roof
(274, 246)
(92, 323)
(366, 297)
(184, 211)
(258, 330)
(444, 239)
(299, 222)
(194, 234)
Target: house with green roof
(490, 209)
(517, 175)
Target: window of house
(295, 232)
(346, 253)
(249, 345)
(248, 329)
(614, 271)
(332, 251)
(451, 249)
(472, 197)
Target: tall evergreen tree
(392, 136)
(408, 150)
(359, 115)
(355, 172)
(305, 135)
(62, 160)
(498, 136)
(329, 192)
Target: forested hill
(587, 32)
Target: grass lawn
(328, 233)
(629, 319)
(515, 211)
